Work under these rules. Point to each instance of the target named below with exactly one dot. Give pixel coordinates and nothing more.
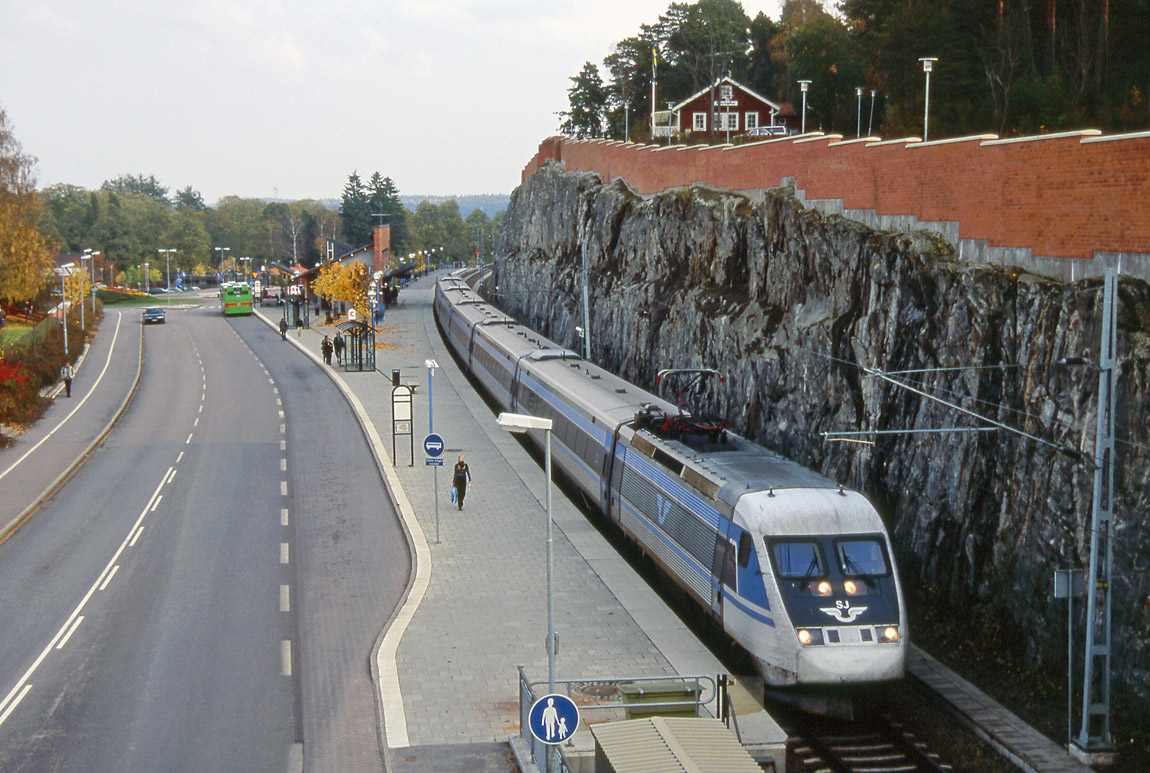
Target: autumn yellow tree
(25, 266)
(338, 282)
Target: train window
(861, 557)
(798, 560)
(744, 549)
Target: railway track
(875, 744)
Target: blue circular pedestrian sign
(433, 445)
(553, 718)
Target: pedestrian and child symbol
(553, 718)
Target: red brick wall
(1064, 195)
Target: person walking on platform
(283, 328)
(325, 350)
(460, 480)
(339, 350)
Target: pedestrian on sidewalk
(325, 349)
(460, 479)
(66, 373)
(339, 345)
(283, 328)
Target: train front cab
(832, 581)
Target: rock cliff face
(794, 308)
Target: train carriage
(795, 568)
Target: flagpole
(654, 79)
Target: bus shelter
(359, 346)
(296, 312)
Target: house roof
(725, 79)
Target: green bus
(235, 299)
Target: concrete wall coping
(1040, 137)
(1113, 137)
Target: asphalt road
(149, 610)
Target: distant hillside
(490, 203)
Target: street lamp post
(221, 250)
(519, 422)
(804, 85)
(147, 278)
(92, 267)
(85, 256)
(168, 270)
(870, 121)
(858, 112)
(927, 66)
(65, 271)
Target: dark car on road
(154, 314)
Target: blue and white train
(795, 568)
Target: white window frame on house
(698, 122)
(751, 119)
(727, 121)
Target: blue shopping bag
(454, 495)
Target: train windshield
(861, 557)
(798, 560)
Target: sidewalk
(43, 458)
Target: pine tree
(355, 211)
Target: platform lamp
(803, 86)
(927, 66)
(519, 423)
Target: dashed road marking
(108, 579)
(71, 631)
(285, 657)
(284, 553)
(285, 598)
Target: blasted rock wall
(794, 307)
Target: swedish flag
(654, 64)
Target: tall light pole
(804, 85)
(927, 66)
(858, 113)
(520, 422)
(221, 250)
(147, 278)
(870, 122)
(168, 270)
(92, 267)
(86, 256)
(64, 272)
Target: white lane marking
(285, 599)
(79, 405)
(172, 477)
(178, 458)
(283, 445)
(275, 390)
(285, 657)
(189, 440)
(196, 423)
(283, 488)
(171, 473)
(271, 381)
(12, 706)
(283, 465)
(108, 579)
(283, 428)
(6, 705)
(283, 553)
(283, 517)
(281, 413)
(279, 401)
(156, 504)
(139, 531)
(71, 631)
(201, 409)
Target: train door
(748, 572)
(723, 567)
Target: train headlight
(810, 636)
(823, 588)
(888, 634)
(851, 587)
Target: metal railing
(702, 688)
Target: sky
(285, 98)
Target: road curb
(384, 671)
(11, 527)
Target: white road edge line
(79, 405)
(12, 706)
(4, 704)
(139, 531)
(71, 631)
(108, 579)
